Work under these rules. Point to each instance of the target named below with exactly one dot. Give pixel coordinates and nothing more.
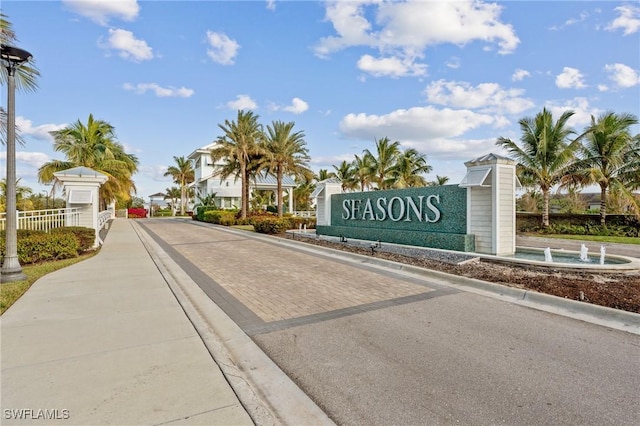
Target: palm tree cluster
(94, 145)
(247, 149)
(389, 167)
(551, 154)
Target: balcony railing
(44, 220)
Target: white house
(229, 191)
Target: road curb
(266, 392)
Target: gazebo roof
(80, 172)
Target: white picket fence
(45, 220)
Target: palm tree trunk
(244, 202)
(603, 205)
(279, 189)
(182, 196)
(545, 208)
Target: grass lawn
(10, 292)
(598, 238)
(244, 227)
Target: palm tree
(324, 174)
(409, 168)
(362, 167)
(93, 145)
(609, 157)
(22, 193)
(238, 146)
(302, 193)
(440, 180)
(285, 152)
(383, 163)
(173, 194)
(346, 173)
(25, 78)
(183, 174)
(546, 154)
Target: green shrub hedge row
(264, 222)
(41, 246)
(574, 224)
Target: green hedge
(40, 246)
(580, 224)
(220, 217)
(86, 236)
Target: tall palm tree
(546, 154)
(25, 78)
(609, 157)
(93, 145)
(237, 146)
(346, 173)
(285, 152)
(363, 167)
(409, 169)
(173, 194)
(183, 174)
(383, 162)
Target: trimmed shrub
(135, 213)
(86, 236)
(220, 217)
(271, 225)
(198, 213)
(40, 246)
(300, 222)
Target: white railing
(103, 218)
(309, 213)
(44, 220)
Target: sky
(444, 77)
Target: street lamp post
(12, 58)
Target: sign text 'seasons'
(407, 209)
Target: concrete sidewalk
(106, 342)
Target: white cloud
(161, 92)
(271, 4)
(222, 49)
(298, 106)
(100, 11)
(155, 173)
(520, 74)
(580, 106)
(127, 45)
(622, 75)
(572, 21)
(628, 20)
(391, 66)
(242, 102)
(454, 62)
(570, 78)
(31, 159)
(417, 125)
(26, 128)
(603, 87)
(413, 25)
(487, 97)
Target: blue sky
(446, 78)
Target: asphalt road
(417, 354)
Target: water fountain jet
(584, 253)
